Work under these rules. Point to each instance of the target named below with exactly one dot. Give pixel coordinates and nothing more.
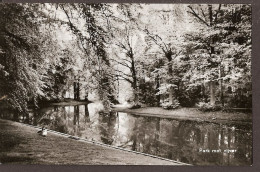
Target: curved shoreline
(190, 114)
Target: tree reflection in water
(173, 139)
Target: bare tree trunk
(210, 15)
(212, 93)
(171, 96)
(171, 90)
(212, 51)
(86, 95)
(158, 97)
(203, 91)
(135, 90)
(76, 90)
(221, 85)
(134, 85)
(203, 88)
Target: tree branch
(122, 63)
(127, 79)
(164, 49)
(203, 14)
(127, 60)
(121, 45)
(216, 15)
(196, 15)
(177, 54)
(128, 75)
(123, 78)
(75, 30)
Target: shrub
(147, 94)
(207, 107)
(189, 97)
(135, 106)
(167, 105)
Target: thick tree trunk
(76, 91)
(221, 93)
(86, 95)
(221, 85)
(158, 97)
(212, 51)
(212, 93)
(203, 91)
(171, 96)
(136, 97)
(171, 89)
(210, 15)
(134, 85)
(135, 92)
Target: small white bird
(43, 132)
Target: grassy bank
(190, 114)
(20, 144)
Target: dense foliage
(21, 63)
(193, 55)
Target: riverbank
(20, 144)
(65, 102)
(190, 114)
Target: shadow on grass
(18, 158)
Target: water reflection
(180, 140)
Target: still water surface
(198, 143)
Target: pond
(197, 143)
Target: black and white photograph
(126, 84)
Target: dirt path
(20, 144)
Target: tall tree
(20, 58)
(166, 36)
(223, 38)
(92, 42)
(126, 36)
